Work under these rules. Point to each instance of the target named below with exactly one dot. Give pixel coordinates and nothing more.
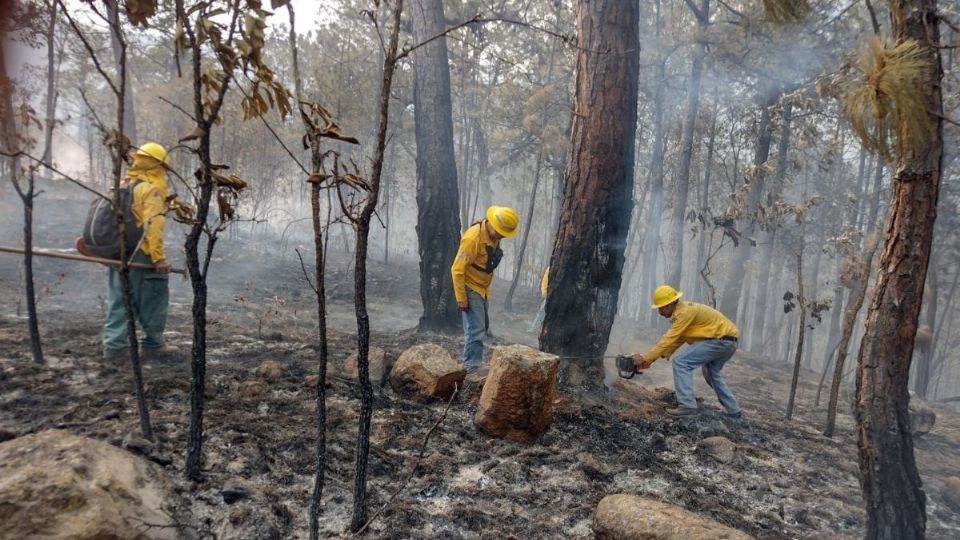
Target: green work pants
(151, 293)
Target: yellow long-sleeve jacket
(149, 206)
(692, 322)
(472, 256)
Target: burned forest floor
(785, 479)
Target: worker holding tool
(149, 287)
(472, 272)
(712, 340)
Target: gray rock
(721, 449)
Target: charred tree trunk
(705, 196)
(362, 223)
(678, 218)
(587, 261)
(925, 351)
(27, 196)
(802, 303)
(438, 218)
(892, 489)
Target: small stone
(311, 380)
(721, 449)
(951, 492)
(377, 365)
(592, 467)
(270, 371)
(657, 443)
(137, 445)
(234, 491)
(252, 389)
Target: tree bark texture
(587, 261)
(119, 50)
(438, 218)
(892, 490)
(678, 217)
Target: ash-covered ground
(786, 481)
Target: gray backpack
(100, 232)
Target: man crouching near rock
(713, 340)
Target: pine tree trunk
(892, 489)
(678, 217)
(588, 256)
(51, 85)
(438, 217)
(130, 118)
(922, 374)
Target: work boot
(166, 353)
(682, 411)
(734, 415)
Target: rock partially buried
(252, 389)
(57, 485)
(517, 397)
(630, 517)
(270, 371)
(721, 449)
(426, 372)
(378, 365)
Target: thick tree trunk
(892, 489)
(587, 262)
(678, 217)
(438, 218)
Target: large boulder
(922, 417)
(631, 517)
(56, 485)
(517, 397)
(378, 365)
(426, 372)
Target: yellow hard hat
(504, 220)
(154, 150)
(665, 295)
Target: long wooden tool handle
(84, 258)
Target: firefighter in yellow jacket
(712, 340)
(149, 288)
(472, 272)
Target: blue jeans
(474, 327)
(150, 295)
(711, 355)
(538, 320)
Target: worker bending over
(713, 340)
(472, 272)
